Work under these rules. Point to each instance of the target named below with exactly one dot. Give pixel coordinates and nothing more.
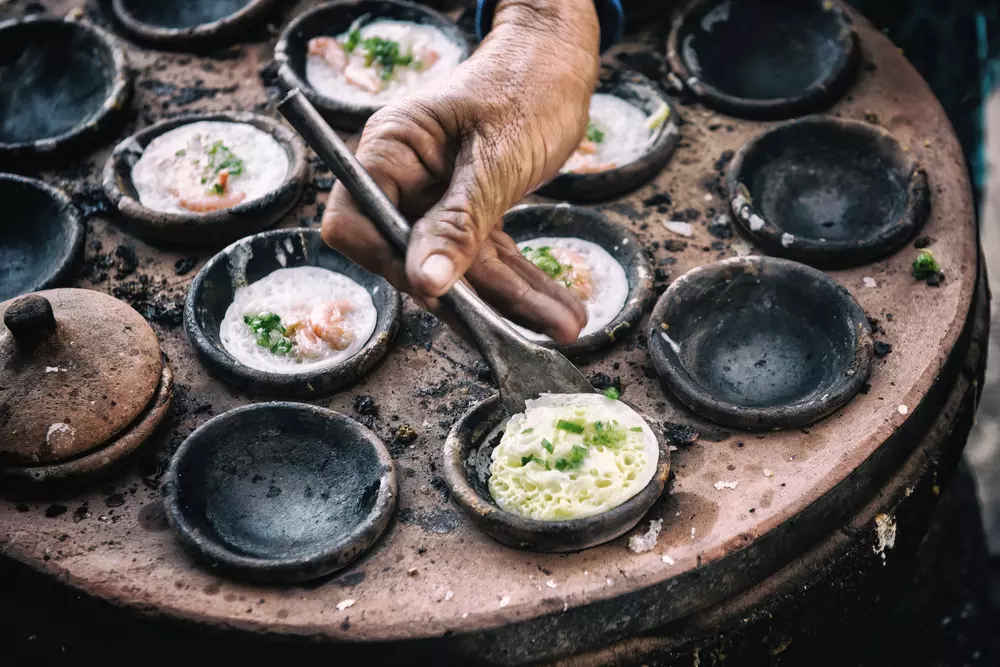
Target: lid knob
(30, 319)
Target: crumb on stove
(647, 541)
(721, 484)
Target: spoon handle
(490, 332)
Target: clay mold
(770, 59)
(645, 95)
(64, 83)
(468, 454)
(760, 343)
(335, 18)
(41, 236)
(253, 258)
(213, 228)
(828, 192)
(524, 223)
(175, 24)
(86, 403)
(280, 492)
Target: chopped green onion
(636, 429)
(547, 445)
(659, 118)
(571, 426)
(574, 460)
(925, 265)
(269, 333)
(543, 259)
(594, 133)
(353, 38)
(612, 393)
(181, 153)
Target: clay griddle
(760, 343)
(217, 227)
(280, 492)
(768, 58)
(187, 23)
(41, 236)
(467, 456)
(640, 92)
(529, 222)
(333, 19)
(62, 82)
(247, 261)
(430, 377)
(828, 192)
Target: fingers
(523, 293)
(394, 168)
(446, 239)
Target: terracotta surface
(433, 573)
(80, 387)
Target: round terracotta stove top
(740, 506)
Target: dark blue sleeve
(608, 11)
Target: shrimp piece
(330, 50)
(576, 275)
(364, 78)
(306, 343)
(587, 148)
(327, 323)
(208, 203)
(593, 167)
(427, 58)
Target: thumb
(447, 239)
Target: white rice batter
(609, 283)
(179, 170)
(345, 76)
(294, 295)
(624, 132)
(570, 456)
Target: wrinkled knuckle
(458, 226)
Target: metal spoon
(523, 369)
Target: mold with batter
(351, 57)
(631, 134)
(206, 178)
(571, 472)
(281, 313)
(597, 261)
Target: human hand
(455, 157)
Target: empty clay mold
(828, 192)
(760, 343)
(767, 59)
(280, 492)
(63, 84)
(187, 23)
(41, 236)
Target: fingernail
(438, 271)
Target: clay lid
(76, 367)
